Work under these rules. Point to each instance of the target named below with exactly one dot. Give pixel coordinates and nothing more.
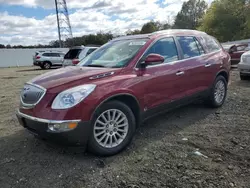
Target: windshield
(114, 54)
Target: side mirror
(153, 59)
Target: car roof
(82, 47)
(77, 47)
(49, 51)
(162, 32)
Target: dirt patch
(193, 146)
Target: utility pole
(63, 22)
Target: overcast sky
(29, 22)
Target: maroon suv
(101, 101)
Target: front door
(162, 83)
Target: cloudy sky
(28, 22)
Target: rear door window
(189, 46)
(73, 53)
(47, 54)
(55, 55)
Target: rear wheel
(218, 93)
(46, 65)
(113, 127)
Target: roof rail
(172, 30)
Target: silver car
(244, 65)
(47, 59)
(76, 54)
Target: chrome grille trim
(28, 106)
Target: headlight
(243, 58)
(72, 96)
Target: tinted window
(90, 51)
(199, 46)
(54, 55)
(189, 47)
(73, 53)
(211, 44)
(165, 47)
(47, 54)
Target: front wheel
(113, 127)
(218, 93)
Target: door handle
(179, 73)
(208, 65)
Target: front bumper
(39, 127)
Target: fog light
(62, 127)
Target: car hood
(72, 74)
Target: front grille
(31, 94)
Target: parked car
(77, 53)
(101, 101)
(236, 51)
(244, 66)
(47, 59)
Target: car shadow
(21, 153)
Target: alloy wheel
(111, 128)
(219, 92)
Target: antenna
(63, 23)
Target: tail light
(38, 57)
(75, 61)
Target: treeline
(227, 20)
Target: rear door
(163, 83)
(194, 60)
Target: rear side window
(73, 53)
(165, 47)
(211, 43)
(90, 51)
(189, 46)
(47, 54)
(54, 55)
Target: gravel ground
(162, 153)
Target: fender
(223, 71)
(113, 96)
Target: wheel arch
(126, 98)
(47, 62)
(223, 73)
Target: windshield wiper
(95, 65)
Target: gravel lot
(161, 155)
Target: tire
(118, 143)
(211, 99)
(46, 65)
(41, 66)
(243, 77)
